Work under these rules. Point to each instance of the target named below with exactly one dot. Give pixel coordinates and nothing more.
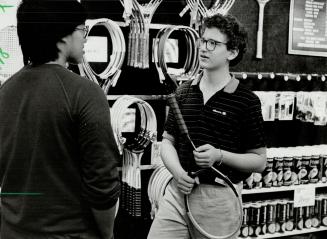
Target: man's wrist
(220, 157)
(178, 174)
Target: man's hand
(185, 183)
(206, 155)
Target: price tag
(96, 49)
(155, 153)
(304, 196)
(129, 121)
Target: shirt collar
(229, 88)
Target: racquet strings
(217, 212)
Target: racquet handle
(177, 113)
(179, 117)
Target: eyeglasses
(210, 44)
(84, 29)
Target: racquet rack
(132, 148)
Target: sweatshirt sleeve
(101, 185)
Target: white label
(155, 153)
(96, 49)
(129, 120)
(304, 196)
(171, 53)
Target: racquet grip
(177, 113)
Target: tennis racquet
(218, 215)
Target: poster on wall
(308, 28)
(8, 9)
(11, 58)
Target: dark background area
(275, 59)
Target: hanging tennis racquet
(132, 147)
(191, 64)
(109, 76)
(207, 214)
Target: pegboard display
(11, 58)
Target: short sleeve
(252, 128)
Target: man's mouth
(204, 57)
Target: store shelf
(281, 189)
(142, 97)
(288, 233)
(152, 25)
(143, 167)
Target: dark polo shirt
(230, 120)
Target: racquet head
(214, 206)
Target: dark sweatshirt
(56, 141)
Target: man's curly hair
(235, 32)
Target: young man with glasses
(224, 121)
(58, 153)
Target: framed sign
(308, 28)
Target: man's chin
(205, 66)
(74, 61)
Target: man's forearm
(105, 220)
(170, 158)
(252, 161)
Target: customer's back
(58, 156)
(40, 112)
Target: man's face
(213, 53)
(75, 45)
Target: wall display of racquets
(132, 147)
(110, 75)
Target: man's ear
(62, 43)
(233, 54)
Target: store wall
(275, 59)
